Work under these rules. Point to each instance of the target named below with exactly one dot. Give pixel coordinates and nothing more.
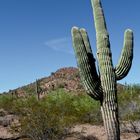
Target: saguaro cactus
(38, 89)
(102, 85)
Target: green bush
(54, 115)
(78, 108)
(6, 102)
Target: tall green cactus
(102, 86)
(38, 89)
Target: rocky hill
(67, 78)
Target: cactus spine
(102, 86)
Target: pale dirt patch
(97, 131)
(4, 132)
(78, 131)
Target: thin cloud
(60, 44)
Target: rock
(3, 112)
(130, 127)
(6, 120)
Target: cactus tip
(74, 29)
(129, 30)
(129, 33)
(83, 30)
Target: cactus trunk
(102, 87)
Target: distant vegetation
(129, 102)
(59, 110)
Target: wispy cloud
(60, 44)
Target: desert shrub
(80, 108)
(30, 90)
(41, 123)
(6, 102)
(129, 105)
(37, 120)
(60, 85)
(132, 116)
(52, 116)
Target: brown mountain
(67, 78)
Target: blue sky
(35, 36)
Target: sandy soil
(85, 130)
(4, 132)
(88, 130)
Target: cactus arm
(89, 51)
(90, 56)
(125, 61)
(86, 42)
(88, 72)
